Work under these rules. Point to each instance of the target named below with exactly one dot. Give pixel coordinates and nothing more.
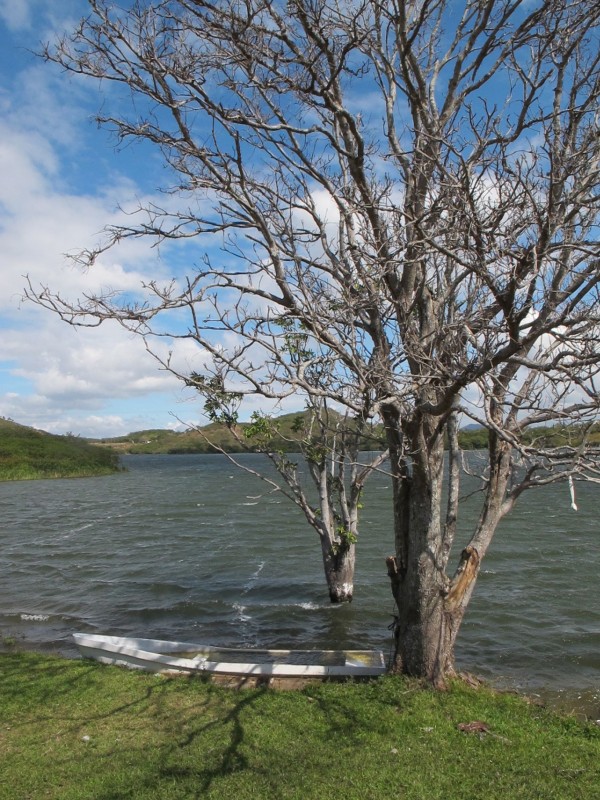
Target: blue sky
(62, 182)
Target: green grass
(27, 454)
(76, 729)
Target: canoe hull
(157, 655)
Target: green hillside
(27, 453)
(288, 430)
(172, 442)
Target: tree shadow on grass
(348, 715)
(231, 758)
(127, 732)
(207, 744)
(28, 678)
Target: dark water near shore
(186, 547)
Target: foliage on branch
(220, 405)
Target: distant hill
(27, 453)
(157, 441)
(287, 434)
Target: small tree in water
(330, 447)
(414, 186)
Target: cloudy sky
(61, 181)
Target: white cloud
(15, 14)
(87, 368)
(58, 375)
(60, 188)
(25, 15)
(62, 374)
(54, 376)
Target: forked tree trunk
(430, 607)
(430, 613)
(338, 562)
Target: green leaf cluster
(346, 539)
(220, 405)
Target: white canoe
(155, 655)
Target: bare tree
(413, 185)
(330, 448)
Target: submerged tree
(414, 186)
(330, 448)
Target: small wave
(81, 527)
(305, 605)
(35, 617)
(250, 504)
(239, 611)
(251, 582)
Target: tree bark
(429, 618)
(431, 606)
(426, 624)
(338, 562)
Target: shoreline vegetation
(30, 454)
(75, 729)
(27, 453)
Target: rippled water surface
(186, 547)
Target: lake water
(188, 547)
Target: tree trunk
(429, 617)
(422, 630)
(430, 607)
(338, 562)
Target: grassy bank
(27, 454)
(76, 729)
